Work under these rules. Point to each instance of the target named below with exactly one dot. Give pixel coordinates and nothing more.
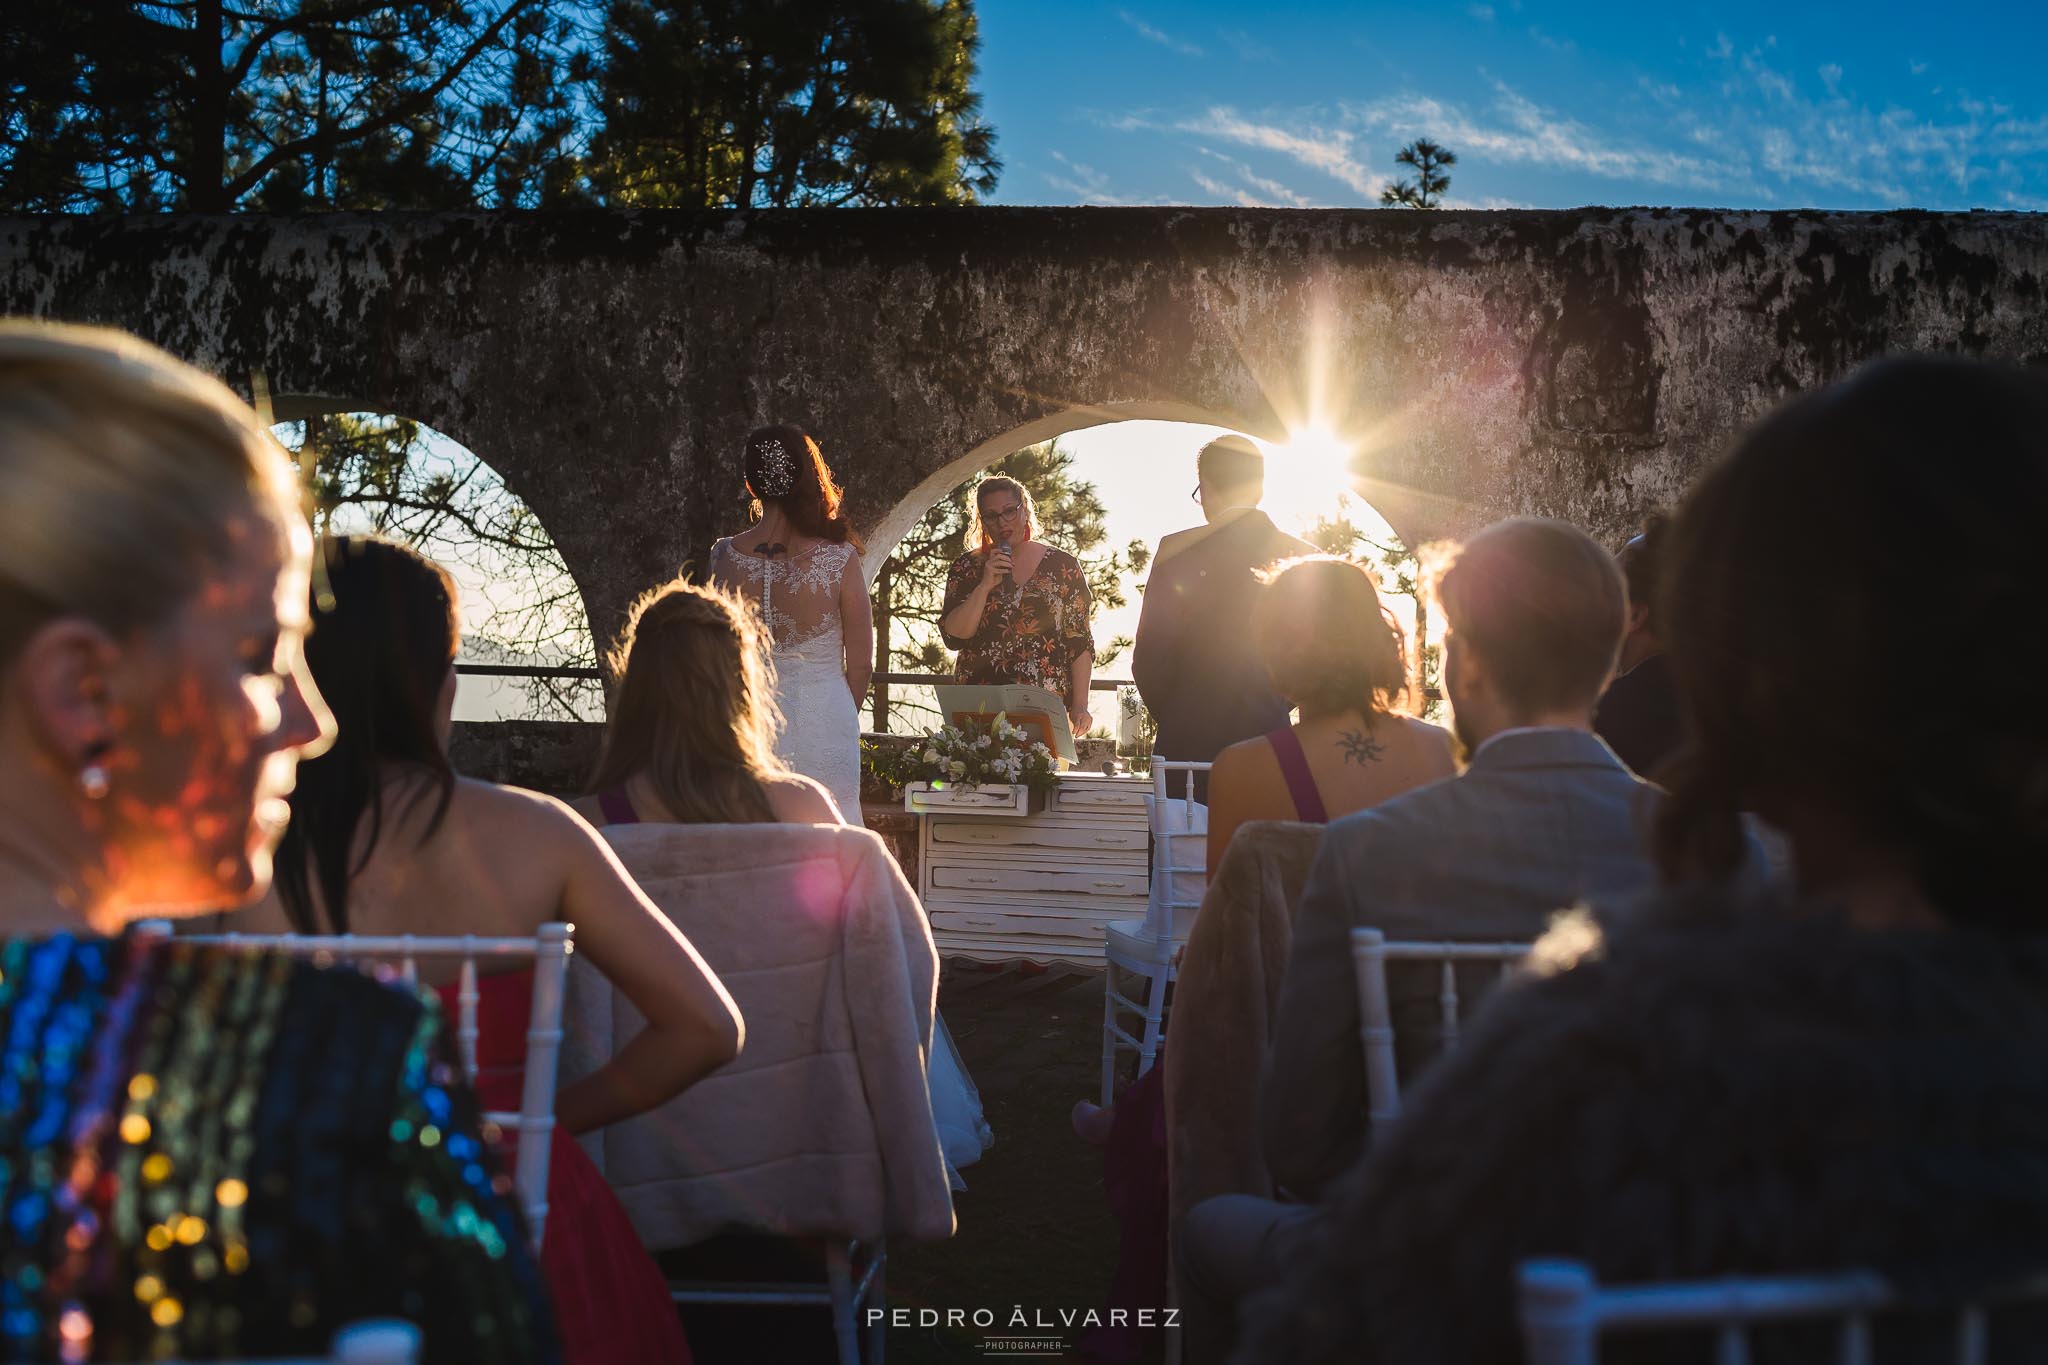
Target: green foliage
(804, 103)
(206, 105)
(372, 474)
(1426, 190)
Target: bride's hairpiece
(774, 473)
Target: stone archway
(1582, 364)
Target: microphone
(1006, 579)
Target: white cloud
(1328, 150)
(1272, 189)
(1722, 48)
(1089, 185)
(1234, 193)
(1745, 133)
(1520, 130)
(1153, 35)
(1917, 68)
(1483, 13)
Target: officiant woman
(1017, 609)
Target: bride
(799, 563)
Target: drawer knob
(1113, 886)
(1109, 838)
(983, 881)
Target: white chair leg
(1155, 1016)
(875, 1335)
(839, 1276)
(1108, 1034)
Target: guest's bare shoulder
(798, 800)
(1432, 742)
(513, 814)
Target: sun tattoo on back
(1360, 747)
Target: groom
(1193, 659)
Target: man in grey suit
(1544, 818)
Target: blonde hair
(694, 711)
(121, 469)
(977, 534)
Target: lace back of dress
(798, 594)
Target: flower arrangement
(982, 755)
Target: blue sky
(1878, 105)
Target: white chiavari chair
(1371, 952)
(1564, 1311)
(549, 948)
(1146, 949)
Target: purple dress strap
(617, 807)
(1301, 784)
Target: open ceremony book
(1028, 708)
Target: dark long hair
(694, 710)
(384, 635)
(1815, 660)
(785, 467)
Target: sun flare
(1307, 474)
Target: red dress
(611, 1304)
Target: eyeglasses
(1197, 495)
(1015, 509)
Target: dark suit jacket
(1193, 660)
(1639, 715)
(1542, 821)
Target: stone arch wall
(1582, 364)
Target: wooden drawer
(1021, 834)
(979, 947)
(1102, 795)
(1068, 911)
(920, 799)
(1079, 932)
(1092, 882)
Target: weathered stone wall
(1582, 364)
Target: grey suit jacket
(1542, 820)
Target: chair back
(823, 1125)
(1180, 850)
(1370, 954)
(1565, 1311)
(549, 948)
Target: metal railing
(878, 688)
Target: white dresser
(1001, 884)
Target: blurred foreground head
(153, 572)
(1852, 603)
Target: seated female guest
(692, 741)
(1846, 1076)
(386, 839)
(1018, 609)
(1337, 655)
(205, 1155)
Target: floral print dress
(1030, 634)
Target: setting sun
(1307, 474)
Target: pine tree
(1426, 190)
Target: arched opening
(1111, 482)
(527, 651)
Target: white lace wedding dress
(798, 597)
